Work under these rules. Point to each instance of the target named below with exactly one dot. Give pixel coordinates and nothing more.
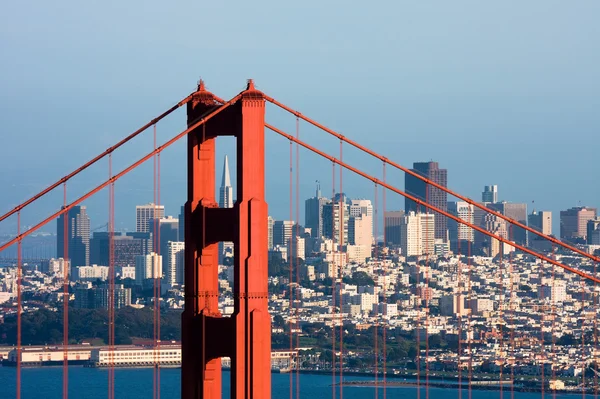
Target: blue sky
(502, 93)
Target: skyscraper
(313, 215)
(541, 221)
(225, 201)
(126, 247)
(336, 215)
(145, 213)
(573, 223)
(490, 194)
(391, 223)
(458, 232)
(270, 223)
(429, 194)
(182, 224)
(517, 212)
(168, 230)
(78, 233)
(593, 231)
(226, 190)
(282, 232)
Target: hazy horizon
(493, 92)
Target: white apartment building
(417, 234)
(148, 266)
(56, 266)
(174, 259)
(93, 272)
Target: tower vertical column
(245, 336)
(252, 351)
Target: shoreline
(392, 380)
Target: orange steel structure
(245, 337)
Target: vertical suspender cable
(385, 287)
(159, 282)
(583, 315)
(299, 299)
(427, 271)
(375, 329)
(111, 284)
(469, 326)
(66, 270)
(460, 316)
(595, 326)
(499, 319)
(342, 255)
(155, 269)
(554, 313)
(542, 346)
(512, 321)
(333, 288)
(19, 304)
(291, 271)
(419, 292)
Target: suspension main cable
(432, 207)
(209, 115)
(433, 183)
(96, 158)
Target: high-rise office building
(226, 190)
(517, 212)
(313, 213)
(145, 213)
(174, 258)
(542, 222)
(148, 267)
(391, 227)
(573, 223)
(282, 232)
(593, 231)
(429, 194)
(225, 201)
(488, 245)
(125, 247)
(168, 230)
(460, 234)
(490, 194)
(336, 216)
(270, 223)
(78, 233)
(181, 234)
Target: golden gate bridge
(245, 337)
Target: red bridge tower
(245, 337)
